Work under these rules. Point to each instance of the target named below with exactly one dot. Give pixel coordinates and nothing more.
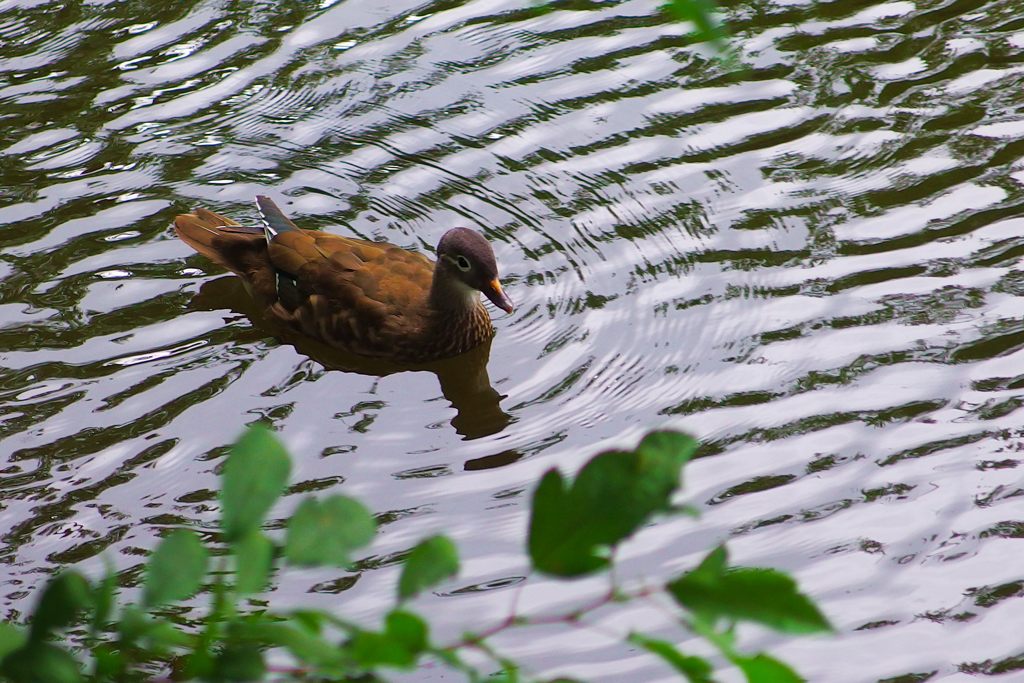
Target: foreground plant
(701, 13)
(574, 529)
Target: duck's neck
(452, 298)
(457, 320)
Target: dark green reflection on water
(814, 262)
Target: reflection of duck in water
(385, 305)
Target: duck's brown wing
(363, 297)
(357, 295)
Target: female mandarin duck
(368, 298)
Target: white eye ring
(463, 263)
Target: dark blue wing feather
(274, 220)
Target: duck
(371, 299)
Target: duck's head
(467, 257)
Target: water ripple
(812, 263)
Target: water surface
(811, 263)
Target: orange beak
(492, 290)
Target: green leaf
(255, 474)
(303, 646)
(323, 533)
(314, 621)
(432, 561)
(713, 566)
(408, 629)
(688, 510)
(41, 663)
(133, 624)
(197, 664)
(158, 634)
(108, 662)
(164, 634)
(700, 12)
(403, 639)
(176, 568)
(765, 669)
(766, 596)
(64, 596)
(509, 674)
(240, 662)
(104, 600)
(664, 451)
(572, 528)
(696, 669)
(311, 621)
(560, 541)
(254, 556)
(11, 638)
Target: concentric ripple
(810, 261)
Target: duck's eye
(463, 263)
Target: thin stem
(607, 633)
(648, 597)
(505, 663)
(452, 659)
(472, 639)
(515, 597)
(613, 569)
(723, 640)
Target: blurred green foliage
(701, 13)
(575, 527)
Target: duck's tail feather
(220, 239)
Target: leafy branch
(574, 529)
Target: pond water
(810, 262)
